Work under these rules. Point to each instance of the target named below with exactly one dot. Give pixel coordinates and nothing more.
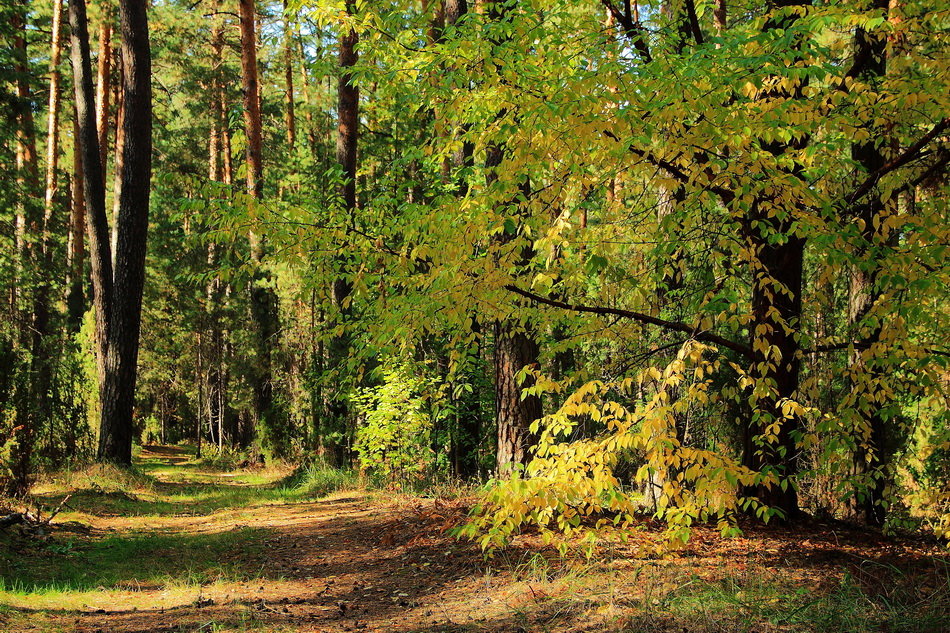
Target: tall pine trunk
(516, 345)
(263, 299)
(335, 437)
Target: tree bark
(515, 349)
(774, 331)
(92, 181)
(290, 120)
(115, 436)
(104, 84)
(338, 410)
(865, 296)
(117, 290)
(515, 344)
(263, 299)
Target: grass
(756, 601)
(73, 568)
(160, 555)
(132, 561)
(317, 479)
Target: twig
(62, 503)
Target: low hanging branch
(699, 335)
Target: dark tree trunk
(870, 66)
(348, 97)
(515, 349)
(348, 127)
(117, 291)
(776, 360)
(777, 258)
(263, 299)
(115, 437)
(93, 180)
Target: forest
(352, 301)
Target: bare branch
(699, 335)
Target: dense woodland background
(682, 256)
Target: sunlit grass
(134, 560)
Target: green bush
(396, 420)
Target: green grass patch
(317, 479)
(134, 561)
(754, 602)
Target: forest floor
(186, 547)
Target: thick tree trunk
(777, 258)
(250, 88)
(774, 333)
(92, 180)
(115, 436)
(117, 291)
(264, 307)
(515, 349)
(515, 345)
(870, 66)
(338, 410)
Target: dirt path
(349, 562)
(359, 562)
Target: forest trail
(205, 550)
(233, 555)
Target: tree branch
(631, 28)
(910, 154)
(706, 337)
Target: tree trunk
(263, 299)
(515, 349)
(117, 291)
(92, 181)
(865, 296)
(338, 413)
(115, 437)
(515, 345)
(777, 258)
(104, 84)
(774, 332)
(290, 121)
(76, 249)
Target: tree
(264, 305)
(117, 291)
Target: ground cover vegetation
(636, 272)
